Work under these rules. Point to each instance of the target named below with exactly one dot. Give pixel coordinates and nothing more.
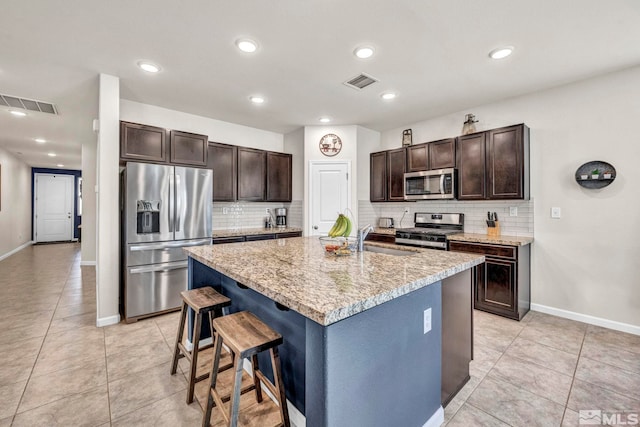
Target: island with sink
(363, 333)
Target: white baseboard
(18, 249)
(87, 263)
(106, 321)
(585, 318)
(436, 420)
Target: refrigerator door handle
(178, 202)
(173, 245)
(159, 268)
(171, 204)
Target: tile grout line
(42, 344)
(573, 378)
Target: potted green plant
(595, 174)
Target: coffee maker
(281, 217)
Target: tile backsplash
(242, 215)
(475, 214)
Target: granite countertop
(296, 272)
(254, 231)
(495, 240)
(380, 230)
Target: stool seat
(245, 334)
(203, 300)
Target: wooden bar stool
(246, 336)
(201, 301)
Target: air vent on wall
(27, 104)
(361, 81)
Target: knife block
(494, 231)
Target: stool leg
(256, 380)
(235, 394)
(194, 357)
(277, 379)
(206, 420)
(179, 335)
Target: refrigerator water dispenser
(148, 218)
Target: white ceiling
(432, 53)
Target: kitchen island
(357, 350)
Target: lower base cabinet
(502, 284)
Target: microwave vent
(27, 104)
(361, 81)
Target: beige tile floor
(58, 369)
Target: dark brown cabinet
(142, 143)
(432, 155)
(188, 148)
(378, 177)
(502, 284)
(251, 174)
(494, 164)
(471, 166)
(442, 154)
(278, 177)
(255, 237)
(387, 175)
(222, 159)
(396, 167)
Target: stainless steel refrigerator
(164, 209)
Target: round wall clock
(330, 145)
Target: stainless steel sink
(388, 251)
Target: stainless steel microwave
(435, 184)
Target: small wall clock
(330, 145)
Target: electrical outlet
(406, 210)
(225, 211)
(556, 212)
(513, 211)
(427, 320)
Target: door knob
(315, 227)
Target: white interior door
(329, 194)
(54, 207)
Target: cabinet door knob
(315, 227)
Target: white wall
(368, 142)
(218, 131)
(294, 145)
(587, 261)
(15, 204)
(108, 235)
(88, 219)
(349, 152)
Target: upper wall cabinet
(432, 155)
(278, 177)
(143, 143)
(494, 164)
(387, 175)
(223, 159)
(188, 148)
(251, 174)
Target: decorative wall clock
(330, 145)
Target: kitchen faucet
(362, 234)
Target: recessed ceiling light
(388, 96)
(148, 67)
(60, 165)
(40, 140)
(18, 113)
(501, 52)
(256, 99)
(247, 45)
(51, 154)
(364, 52)
(325, 120)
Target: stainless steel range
(431, 230)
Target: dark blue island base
(375, 368)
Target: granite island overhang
(354, 350)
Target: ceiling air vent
(361, 81)
(27, 104)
